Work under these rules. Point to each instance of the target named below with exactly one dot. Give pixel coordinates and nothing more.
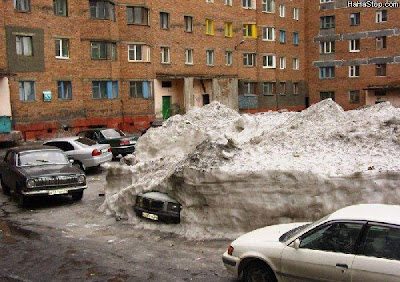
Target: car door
(325, 253)
(9, 167)
(378, 258)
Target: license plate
(150, 216)
(58, 192)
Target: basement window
(103, 10)
(104, 89)
(137, 15)
(354, 96)
(326, 95)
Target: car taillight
(96, 153)
(230, 250)
(109, 149)
(124, 142)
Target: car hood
(46, 170)
(269, 233)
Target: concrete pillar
(188, 93)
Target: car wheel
(258, 272)
(6, 189)
(79, 165)
(22, 200)
(77, 196)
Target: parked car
(119, 142)
(157, 206)
(155, 123)
(356, 243)
(31, 171)
(84, 152)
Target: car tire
(79, 165)
(23, 201)
(77, 196)
(258, 271)
(5, 188)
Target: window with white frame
(165, 59)
(269, 88)
(26, 91)
(140, 89)
(326, 72)
(381, 16)
(64, 90)
(354, 45)
(296, 64)
(354, 71)
(22, 5)
(282, 63)
(62, 48)
(188, 23)
(137, 15)
(209, 1)
(105, 89)
(296, 12)
(268, 6)
(138, 53)
(282, 11)
(327, 47)
(249, 88)
(268, 33)
(228, 2)
(248, 4)
(249, 59)
(210, 57)
(189, 56)
(269, 61)
(228, 58)
(24, 45)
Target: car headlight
(30, 183)
(81, 179)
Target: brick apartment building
(121, 63)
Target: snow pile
(233, 173)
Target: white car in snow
(356, 243)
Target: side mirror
(296, 243)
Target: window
(104, 89)
(209, 1)
(22, 5)
(381, 42)
(282, 88)
(380, 69)
(188, 23)
(26, 91)
(327, 95)
(268, 6)
(296, 13)
(62, 48)
(164, 20)
(381, 242)
(295, 88)
(210, 57)
(249, 59)
(325, 1)
(381, 16)
(60, 7)
(268, 33)
(269, 88)
(166, 84)
(140, 89)
(335, 237)
(165, 59)
(64, 90)
(250, 30)
(249, 88)
(295, 38)
(354, 96)
(24, 45)
(209, 27)
(327, 22)
(189, 56)
(326, 72)
(269, 61)
(327, 47)
(101, 50)
(228, 2)
(354, 45)
(228, 58)
(282, 10)
(296, 64)
(228, 29)
(102, 10)
(137, 15)
(248, 4)
(355, 19)
(354, 71)
(138, 53)
(282, 63)
(282, 36)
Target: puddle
(10, 232)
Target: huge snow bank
(233, 173)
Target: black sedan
(31, 171)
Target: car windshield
(112, 133)
(45, 157)
(295, 231)
(85, 141)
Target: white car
(356, 243)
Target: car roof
(20, 149)
(69, 138)
(93, 129)
(369, 212)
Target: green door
(166, 106)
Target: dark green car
(119, 142)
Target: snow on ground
(233, 173)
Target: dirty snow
(233, 173)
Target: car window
(45, 157)
(112, 133)
(85, 141)
(66, 146)
(337, 237)
(381, 242)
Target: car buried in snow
(356, 243)
(157, 206)
(32, 171)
